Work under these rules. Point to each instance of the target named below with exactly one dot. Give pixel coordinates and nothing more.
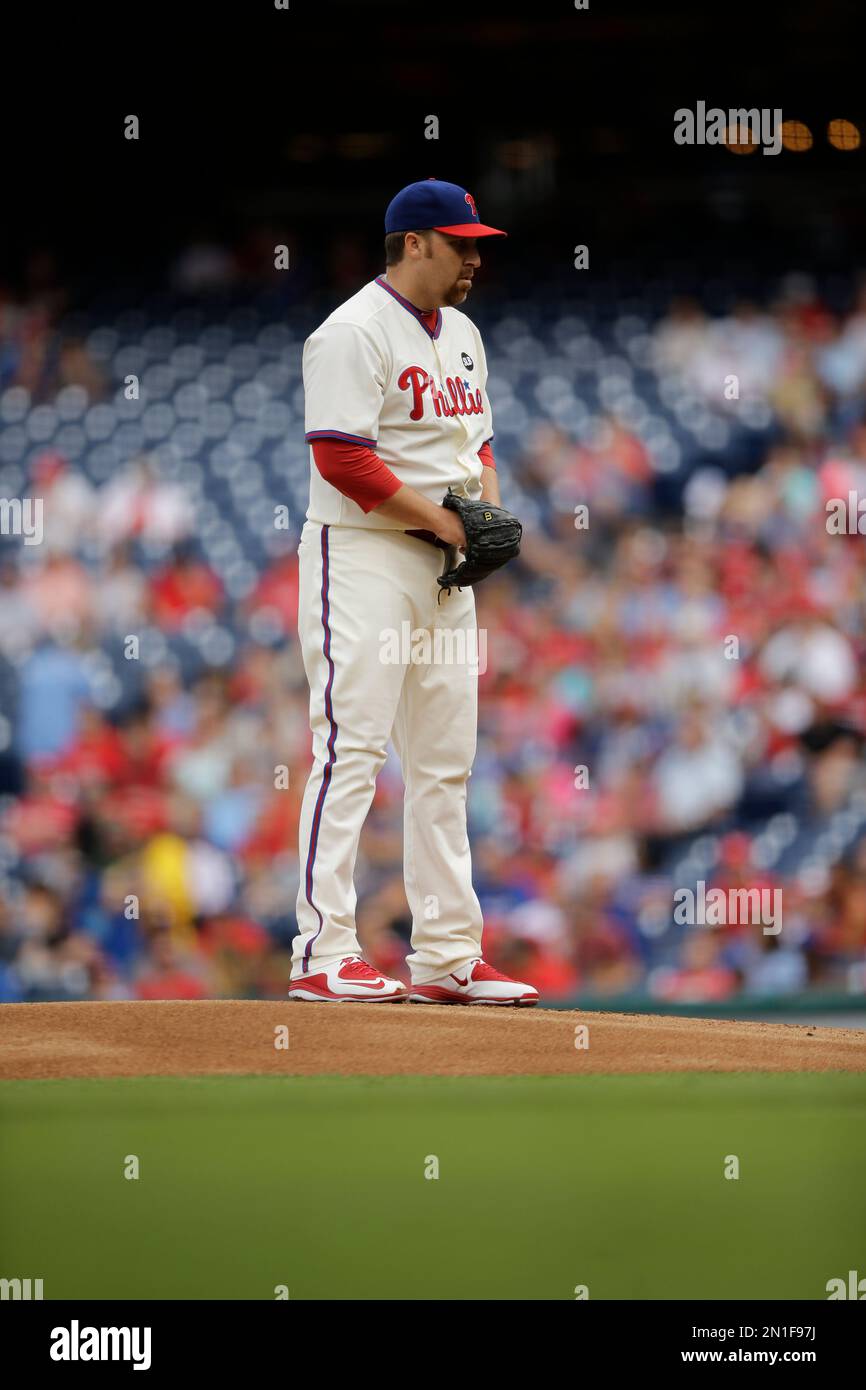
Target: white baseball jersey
(376, 375)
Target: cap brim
(471, 229)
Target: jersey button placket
(460, 418)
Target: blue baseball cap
(432, 205)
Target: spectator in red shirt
(96, 755)
(169, 977)
(277, 592)
(183, 586)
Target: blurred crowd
(670, 694)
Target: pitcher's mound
(294, 1039)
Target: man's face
(449, 265)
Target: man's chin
(457, 295)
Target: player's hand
(450, 529)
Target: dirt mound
(221, 1037)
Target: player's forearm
(490, 487)
(412, 509)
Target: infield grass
(615, 1182)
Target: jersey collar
(416, 313)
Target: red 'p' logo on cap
(471, 201)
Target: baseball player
(404, 518)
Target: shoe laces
(357, 968)
(483, 971)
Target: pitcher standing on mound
(397, 417)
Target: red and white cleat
(476, 983)
(350, 980)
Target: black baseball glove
(492, 539)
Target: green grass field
(318, 1184)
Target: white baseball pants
(363, 594)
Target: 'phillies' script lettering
(459, 401)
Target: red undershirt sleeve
(485, 454)
(356, 471)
